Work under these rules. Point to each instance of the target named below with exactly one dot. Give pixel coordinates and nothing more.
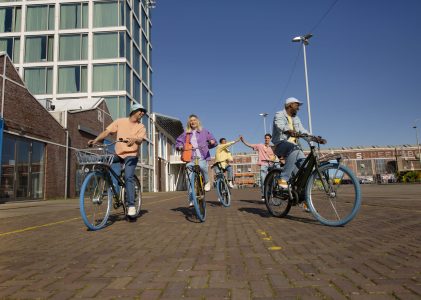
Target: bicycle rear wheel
(95, 200)
(276, 199)
(137, 197)
(341, 202)
(224, 193)
(198, 195)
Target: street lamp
(416, 135)
(304, 40)
(264, 115)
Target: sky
(227, 61)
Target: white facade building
(84, 49)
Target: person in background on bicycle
(130, 130)
(224, 156)
(265, 154)
(286, 127)
(202, 140)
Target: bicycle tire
(95, 200)
(277, 200)
(137, 198)
(333, 208)
(198, 196)
(224, 193)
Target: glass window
(136, 32)
(11, 46)
(128, 18)
(136, 89)
(106, 45)
(144, 22)
(144, 46)
(37, 170)
(39, 48)
(39, 80)
(7, 168)
(128, 80)
(136, 60)
(145, 122)
(108, 14)
(145, 151)
(40, 18)
(145, 97)
(108, 77)
(112, 104)
(74, 15)
(10, 19)
(72, 79)
(145, 180)
(136, 6)
(128, 48)
(73, 47)
(145, 72)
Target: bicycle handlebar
(311, 138)
(120, 140)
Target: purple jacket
(203, 138)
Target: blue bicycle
(98, 191)
(222, 187)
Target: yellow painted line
(267, 238)
(38, 226)
(65, 221)
(275, 248)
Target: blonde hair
(199, 124)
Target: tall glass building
(84, 49)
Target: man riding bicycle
(286, 127)
(224, 157)
(130, 130)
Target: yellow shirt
(222, 154)
(127, 129)
(291, 127)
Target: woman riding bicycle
(130, 130)
(201, 140)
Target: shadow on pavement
(188, 212)
(257, 211)
(253, 201)
(214, 203)
(118, 217)
(303, 220)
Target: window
(11, 46)
(136, 32)
(136, 60)
(145, 46)
(72, 79)
(107, 14)
(10, 18)
(128, 48)
(73, 47)
(40, 18)
(74, 15)
(108, 77)
(106, 45)
(39, 48)
(136, 8)
(144, 22)
(145, 72)
(39, 80)
(145, 97)
(136, 88)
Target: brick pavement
(240, 252)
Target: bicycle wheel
(224, 193)
(198, 195)
(95, 200)
(341, 202)
(276, 199)
(137, 197)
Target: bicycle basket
(94, 156)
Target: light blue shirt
(280, 126)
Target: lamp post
(416, 136)
(264, 115)
(304, 40)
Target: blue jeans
(203, 164)
(263, 173)
(230, 173)
(130, 164)
(293, 155)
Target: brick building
(37, 159)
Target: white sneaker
(131, 211)
(230, 184)
(191, 204)
(207, 187)
(263, 199)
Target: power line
(324, 16)
(291, 73)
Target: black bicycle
(98, 191)
(222, 187)
(331, 190)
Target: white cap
(293, 100)
(137, 106)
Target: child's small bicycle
(98, 191)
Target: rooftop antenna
(150, 3)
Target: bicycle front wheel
(198, 195)
(276, 199)
(333, 196)
(95, 200)
(224, 193)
